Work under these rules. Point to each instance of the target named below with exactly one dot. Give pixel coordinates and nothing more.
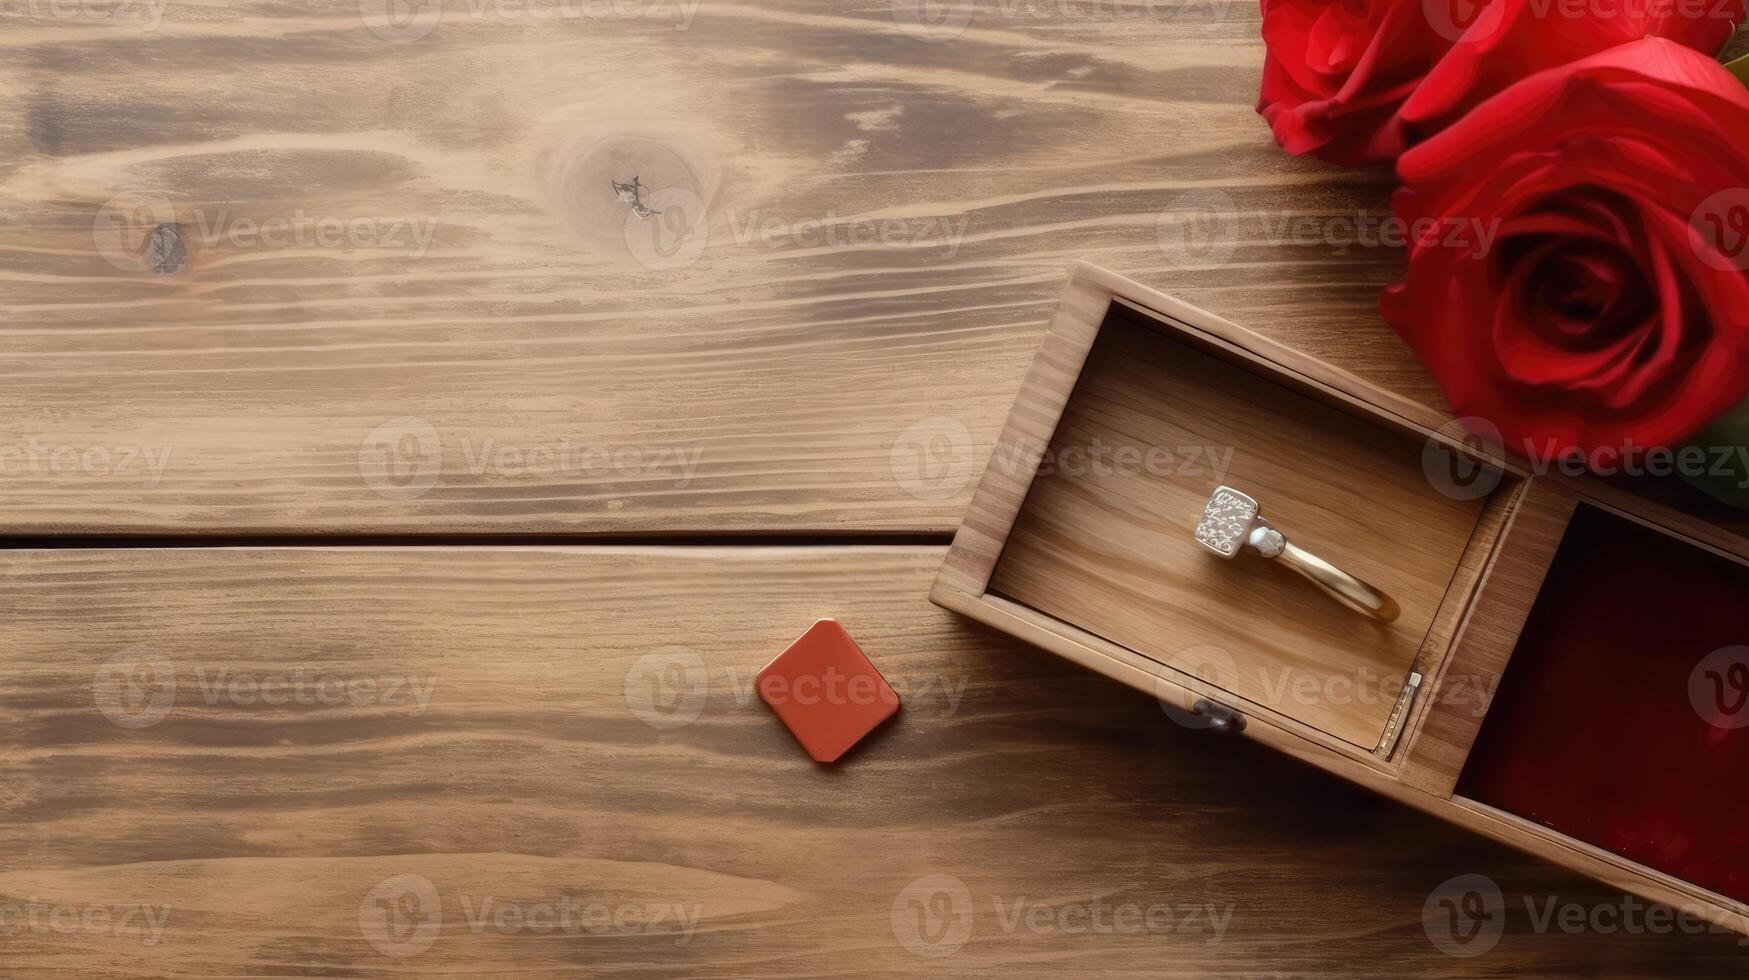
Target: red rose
(1336, 74)
(1610, 306)
(1513, 39)
(1356, 82)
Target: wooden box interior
(1620, 720)
(1158, 417)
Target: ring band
(1231, 523)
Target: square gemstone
(1225, 521)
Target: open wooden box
(1562, 677)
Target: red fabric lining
(1596, 731)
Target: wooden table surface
(888, 222)
(322, 275)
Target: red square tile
(826, 691)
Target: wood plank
(553, 766)
(888, 222)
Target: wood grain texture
(1099, 524)
(888, 221)
(1458, 696)
(532, 775)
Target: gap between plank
(803, 539)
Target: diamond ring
(1231, 523)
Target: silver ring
(1230, 523)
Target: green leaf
(1740, 68)
(1725, 477)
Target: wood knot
(166, 251)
